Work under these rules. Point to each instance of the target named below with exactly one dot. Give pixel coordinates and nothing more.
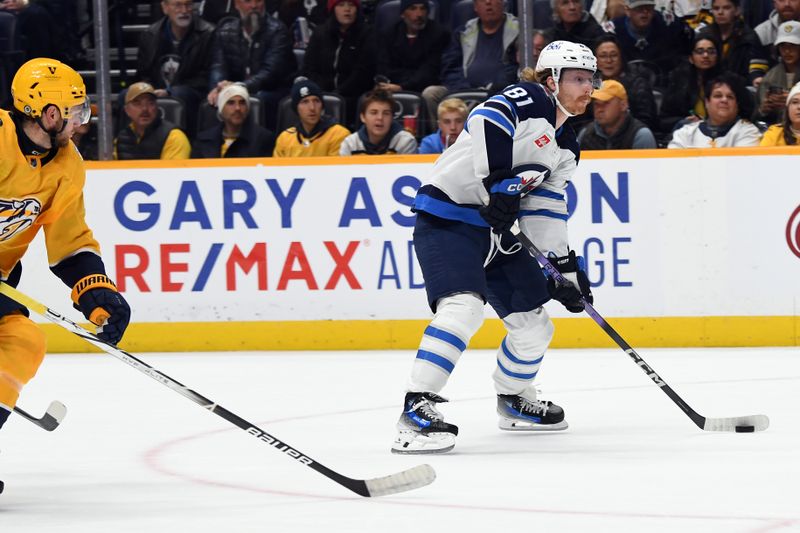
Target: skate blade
(507, 424)
(412, 443)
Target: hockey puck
(745, 429)
(2, 486)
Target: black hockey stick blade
(741, 424)
(413, 478)
(51, 419)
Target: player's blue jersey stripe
(544, 193)
(449, 338)
(502, 105)
(436, 359)
(515, 374)
(495, 116)
(443, 209)
(505, 102)
(542, 213)
(514, 359)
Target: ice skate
(421, 428)
(521, 413)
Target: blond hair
(452, 105)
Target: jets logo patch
(17, 216)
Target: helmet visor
(81, 113)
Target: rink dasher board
(683, 247)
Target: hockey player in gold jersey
(41, 186)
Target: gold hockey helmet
(42, 82)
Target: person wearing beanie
(340, 56)
(379, 134)
(237, 135)
(410, 52)
(788, 132)
(314, 133)
(147, 135)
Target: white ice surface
(135, 456)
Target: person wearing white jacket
(724, 126)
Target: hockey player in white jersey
(511, 163)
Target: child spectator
(452, 113)
(379, 134)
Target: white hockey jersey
(512, 130)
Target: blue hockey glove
(97, 298)
(571, 267)
(503, 208)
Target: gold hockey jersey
(33, 195)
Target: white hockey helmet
(559, 55)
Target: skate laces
(533, 406)
(425, 404)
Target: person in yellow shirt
(315, 134)
(788, 132)
(41, 187)
(148, 136)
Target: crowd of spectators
(291, 78)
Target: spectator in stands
(85, 138)
(787, 133)
(256, 49)
(35, 27)
(314, 134)
(742, 52)
(613, 127)
(771, 95)
(215, 10)
(643, 34)
(684, 98)
(482, 54)
(148, 136)
(641, 102)
(539, 42)
(784, 11)
(237, 135)
(727, 103)
(410, 55)
(605, 10)
(452, 114)
(379, 134)
(173, 56)
(573, 23)
(341, 55)
(313, 11)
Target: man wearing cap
(784, 11)
(148, 136)
(235, 135)
(314, 133)
(614, 128)
(772, 91)
(644, 34)
(410, 55)
(256, 49)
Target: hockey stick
(51, 419)
(738, 424)
(413, 478)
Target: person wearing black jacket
(573, 23)
(237, 135)
(173, 56)
(410, 55)
(340, 56)
(743, 53)
(255, 49)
